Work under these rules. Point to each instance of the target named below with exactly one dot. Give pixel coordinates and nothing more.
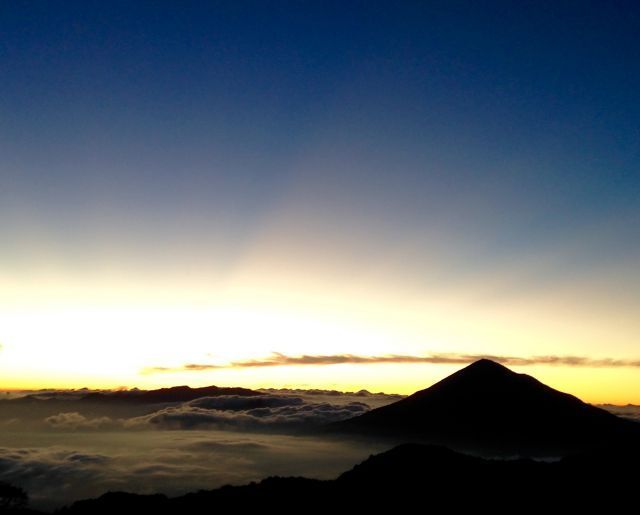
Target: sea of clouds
(60, 449)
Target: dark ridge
(410, 476)
(486, 405)
(174, 394)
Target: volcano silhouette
(486, 404)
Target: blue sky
(430, 148)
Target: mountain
(487, 405)
(162, 395)
(32, 411)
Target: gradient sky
(212, 182)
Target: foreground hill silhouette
(486, 405)
(410, 476)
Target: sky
(328, 194)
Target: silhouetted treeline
(14, 499)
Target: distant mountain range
(161, 395)
(35, 407)
(173, 394)
(487, 405)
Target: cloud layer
(74, 420)
(629, 411)
(82, 466)
(263, 413)
(47, 473)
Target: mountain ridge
(408, 475)
(172, 394)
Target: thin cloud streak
(278, 360)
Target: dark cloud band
(277, 360)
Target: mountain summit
(486, 404)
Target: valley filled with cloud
(61, 446)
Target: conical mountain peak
(484, 369)
(485, 380)
(487, 365)
(485, 402)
